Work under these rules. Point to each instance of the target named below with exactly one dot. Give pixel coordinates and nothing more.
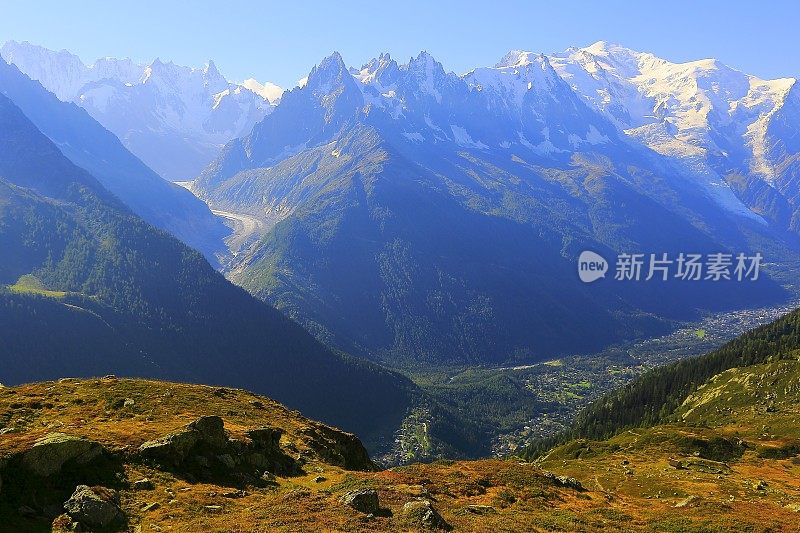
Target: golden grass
(640, 495)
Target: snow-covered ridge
(64, 74)
(704, 117)
(708, 117)
(698, 108)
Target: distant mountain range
(172, 117)
(90, 146)
(405, 213)
(410, 214)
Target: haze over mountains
(90, 146)
(87, 288)
(172, 117)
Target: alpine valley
(399, 241)
(414, 216)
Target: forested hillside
(115, 295)
(653, 397)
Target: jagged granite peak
(331, 74)
(425, 62)
(428, 73)
(211, 70)
(382, 69)
(307, 116)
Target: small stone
(320, 479)
(365, 501)
(422, 513)
(151, 507)
(675, 463)
(129, 402)
(214, 509)
(686, 501)
(93, 507)
(480, 509)
(143, 484)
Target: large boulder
(265, 437)
(338, 448)
(174, 449)
(170, 450)
(51, 452)
(564, 481)
(94, 507)
(421, 513)
(365, 501)
(211, 431)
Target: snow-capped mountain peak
(515, 58)
(704, 115)
(428, 73)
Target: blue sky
(281, 41)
